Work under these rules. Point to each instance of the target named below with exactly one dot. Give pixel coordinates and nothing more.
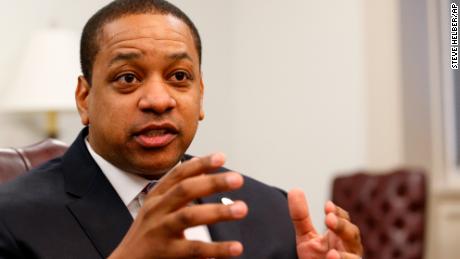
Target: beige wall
(300, 98)
(383, 84)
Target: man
(140, 97)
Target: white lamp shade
(47, 76)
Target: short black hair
(89, 43)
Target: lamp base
(51, 124)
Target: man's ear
(82, 99)
(201, 99)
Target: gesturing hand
(157, 231)
(341, 241)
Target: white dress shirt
(129, 187)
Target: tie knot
(148, 187)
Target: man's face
(145, 100)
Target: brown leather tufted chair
(388, 208)
(16, 161)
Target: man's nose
(156, 98)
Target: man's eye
(180, 76)
(127, 79)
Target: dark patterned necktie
(145, 191)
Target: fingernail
(236, 249)
(333, 253)
(238, 209)
(233, 180)
(330, 204)
(332, 219)
(218, 159)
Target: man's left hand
(342, 240)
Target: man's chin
(153, 163)
(154, 170)
(151, 176)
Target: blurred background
(296, 91)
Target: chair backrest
(16, 161)
(388, 208)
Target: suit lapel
(227, 230)
(98, 208)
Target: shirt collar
(127, 185)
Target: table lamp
(46, 78)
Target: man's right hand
(157, 232)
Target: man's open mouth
(156, 136)
(155, 133)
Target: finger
(346, 231)
(190, 168)
(330, 207)
(198, 249)
(300, 216)
(205, 214)
(334, 254)
(196, 187)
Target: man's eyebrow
(124, 57)
(179, 56)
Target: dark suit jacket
(68, 209)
